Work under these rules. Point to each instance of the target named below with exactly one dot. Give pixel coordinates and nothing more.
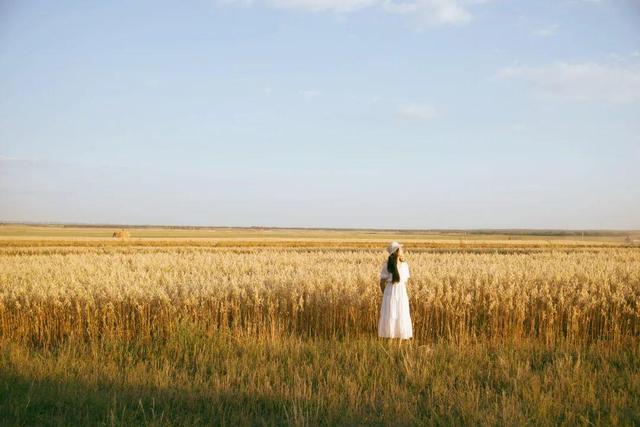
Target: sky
(416, 114)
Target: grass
(194, 378)
(97, 331)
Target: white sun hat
(393, 246)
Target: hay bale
(121, 234)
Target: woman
(395, 319)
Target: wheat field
(550, 295)
(261, 331)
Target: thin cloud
(587, 81)
(11, 161)
(417, 112)
(546, 32)
(309, 93)
(431, 12)
(427, 12)
(338, 6)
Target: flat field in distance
(184, 326)
(260, 233)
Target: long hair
(392, 266)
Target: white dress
(395, 319)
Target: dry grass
(199, 378)
(246, 332)
(549, 295)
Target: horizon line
(480, 230)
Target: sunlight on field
(257, 234)
(283, 329)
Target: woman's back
(395, 317)
(403, 271)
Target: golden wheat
(550, 295)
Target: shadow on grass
(27, 402)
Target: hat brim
(395, 248)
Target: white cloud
(546, 32)
(518, 127)
(588, 81)
(431, 12)
(309, 93)
(417, 112)
(338, 6)
(427, 12)
(239, 2)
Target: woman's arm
(383, 282)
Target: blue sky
(351, 113)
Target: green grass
(195, 378)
